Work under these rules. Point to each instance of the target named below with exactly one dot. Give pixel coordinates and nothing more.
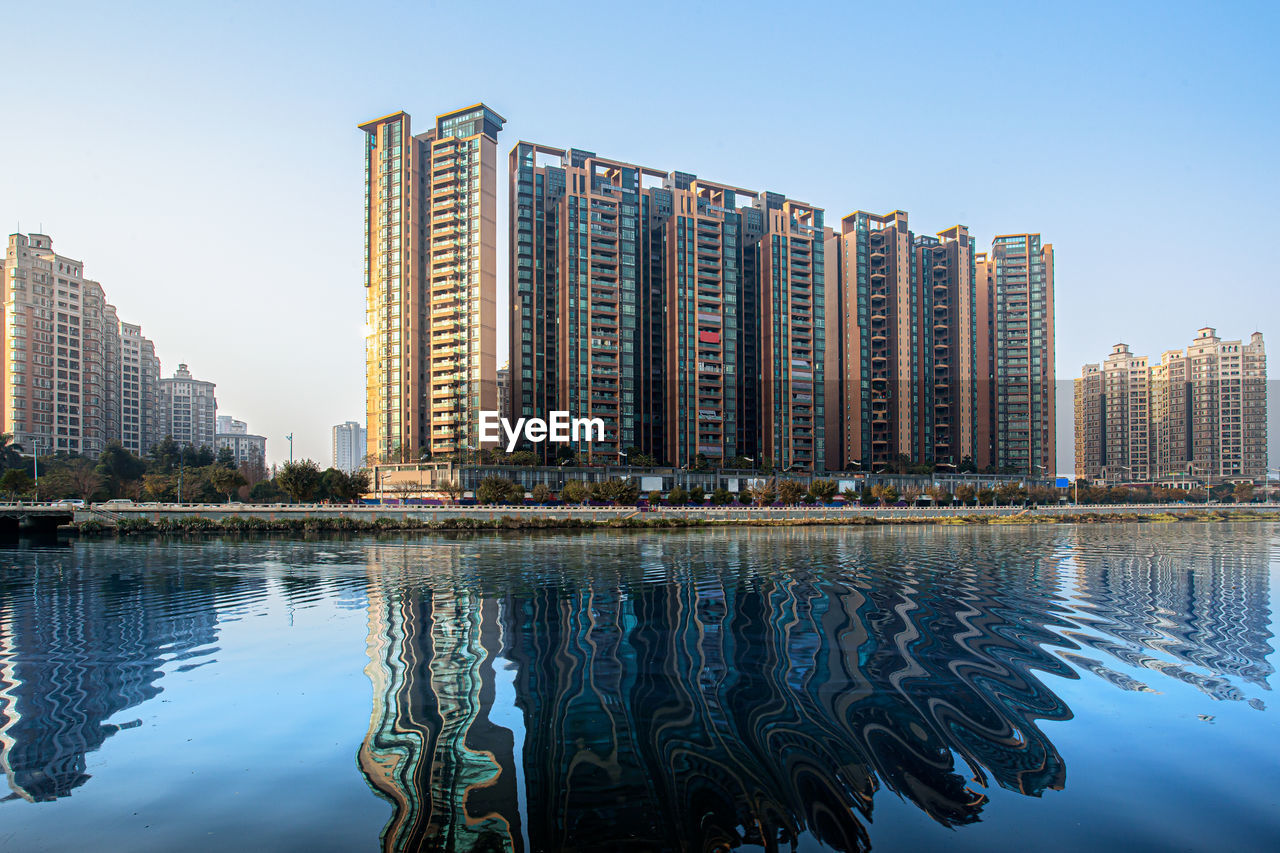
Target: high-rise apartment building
(1199, 415)
(684, 313)
(188, 409)
(1170, 429)
(901, 347)
(1228, 406)
(349, 445)
(66, 361)
(139, 391)
(1016, 402)
(1113, 418)
(430, 279)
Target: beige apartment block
(62, 360)
(1199, 416)
(430, 281)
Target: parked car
(118, 502)
(76, 502)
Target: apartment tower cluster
(700, 321)
(74, 376)
(1199, 416)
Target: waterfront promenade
(157, 512)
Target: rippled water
(810, 688)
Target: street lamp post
(290, 438)
(35, 469)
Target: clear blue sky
(203, 159)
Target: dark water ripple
(673, 691)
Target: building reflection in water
(710, 691)
(79, 645)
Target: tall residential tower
(430, 280)
(1016, 343)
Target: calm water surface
(799, 688)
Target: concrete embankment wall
(217, 512)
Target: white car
(75, 502)
(118, 502)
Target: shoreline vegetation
(196, 524)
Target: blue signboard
(1063, 483)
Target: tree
(697, 496)
(615, 491)
(721, 496)
(822, 491)
(639, 459)
(765, 492)
(965, 494)
(10, 457)
(119, 468)
(16, 482)
(985, 497)
(573, 492)
(850, 495)
(452, 490)
(85, 481)
(744, 497)
(678, 496)
(939, 495)
(266, 492)
(540, 493)
(226, 457)
(360, 483)
(911, 495)
(499, 490)
(1011, 493)
(885, 494)
(790, 492)
(522, 457)
(700, 462)
(334, 486)
(966, 466)
(300, 480)
(165, 454)
(226, 480)
(1243, 493)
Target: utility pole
(290, 437)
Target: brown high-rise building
(1227, 407)
(430, 279)
(684, 313)
(1113, 418)
(900, 347)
